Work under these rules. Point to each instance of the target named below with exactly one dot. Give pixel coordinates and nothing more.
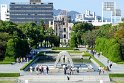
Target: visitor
(37, 69)
(17, 60)
(77, 69)
(99, 70)
(47, 69)
(68, 78)
(108, 61)
(65, 70)
(31, 69)
(107, 68)
(27, 60)
(21, 60)
(110, 65)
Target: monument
(64, 58)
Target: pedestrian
(31, 69)
(108, 61)
(37, 69)
(99, 70)
(110, 65)
(68, 78)
(65, 70)
(47, 69)
(21, 60)
(77, 69)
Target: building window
(64, 35)
(64, 29)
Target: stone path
(63, 79)
(116, 68)
(11, 68)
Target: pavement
(116, 68)
(64, 79)
(11, 68)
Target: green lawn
(7, 81)
(120, 82)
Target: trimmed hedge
(116, 75)
(62, 48)
(27, 64)
(9, 74)
(110, 48)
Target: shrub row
(116, 75)
(9, 74)
(27, 64)
(110, 48)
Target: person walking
(47, 69)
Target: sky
(76, 5)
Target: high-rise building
(4, 12)
(35, 11)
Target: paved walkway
(11, 68)
(116, 68)
(63, 79)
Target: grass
(120, 82)
(27, 64)
(9, 74)
(97, 61)
(116, 75)
(120, 62)
(7, 81)
(7, 60)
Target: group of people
(69, 70)
(101, 70)
(40, 69)
(21, 59)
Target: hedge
(9, 74)
(116, 75)
(110, 48)
(27, 64)
(62, 48)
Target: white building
(62, 27)
(4, 12)
(87, 17)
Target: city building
(62, 27)
(4, 12)
(87, 17)
(33, 11)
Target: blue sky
(76, 5)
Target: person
(31, 69)
(99, 70)
(65, 70)
(68, 78)
(47, 69)
(37, 69)
(77, 69)
(110, 65)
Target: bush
(116, 75)
(62, 48)
(9, 74)
(110, 48)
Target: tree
(73, 41)
(10, 50)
